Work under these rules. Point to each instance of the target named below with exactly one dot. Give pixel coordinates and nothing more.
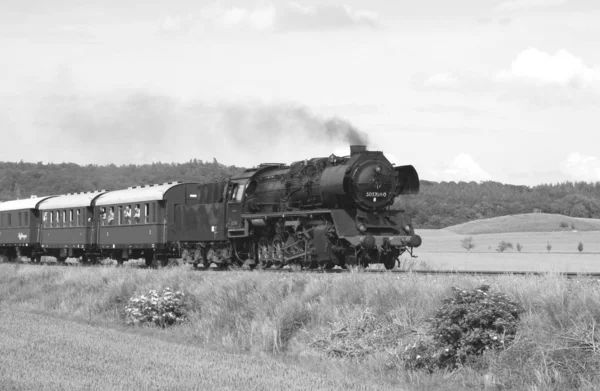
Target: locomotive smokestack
(354, 149)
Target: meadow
(302, 330)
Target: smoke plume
(255, 124)
(142, 128)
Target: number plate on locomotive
(376, 194)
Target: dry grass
(286, 315)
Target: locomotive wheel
(278, 258)
(264, 253)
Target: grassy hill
(529, 222)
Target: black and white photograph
(300, 195)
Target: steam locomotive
(316, 213)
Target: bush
(164, 308)
(467, 243)
(519, 247)
(580, 247)
(503, 245)
(548, 247)
(421, 355)
(563, 224)
(471, 322)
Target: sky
(468, 90)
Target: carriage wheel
(389, 261)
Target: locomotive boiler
(320, 212)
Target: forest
(438, 204)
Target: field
(442, 248)
(64, 328)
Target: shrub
(563, 224)
(580, 247)
(471, 322)
(164, 308)
(519, 247)
(467, 243)
(421, 355)
(548, 247)
(503, 245)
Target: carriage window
(120, 215)
(71, 217)
(78, 214)
(26, 216)
(9, 221)
(154, 218)
(20, 219)
(127, 214)
(147, 213)
(137, 214)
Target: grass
(352, 326)
(40, 353)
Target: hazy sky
(505, 90)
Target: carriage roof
(143, 193)
(26, 203)
(74, 200)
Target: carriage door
(90, 226)
(235, 195)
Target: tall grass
(368, 319)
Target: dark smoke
(337, 128)
(256, 124)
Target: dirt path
(43, 353)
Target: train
(316, 213)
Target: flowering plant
(164, 308)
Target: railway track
(288, 269)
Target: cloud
(582, 168)
(561, 68)
(462, 168)
(291, 16)
(517, 5)
(175, 25)
(441, 80)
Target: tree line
(438, 204)
(443, 204)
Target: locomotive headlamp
(362, 228)
(378, 169)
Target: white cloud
(291, 16)
(441, 80)
(171, 25)
(582, 168)
(516, 5)
(462, 168)
(560, 68)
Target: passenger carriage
(19, 234)
(67, 228)
(158, 222)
